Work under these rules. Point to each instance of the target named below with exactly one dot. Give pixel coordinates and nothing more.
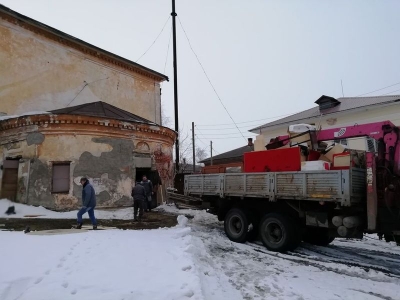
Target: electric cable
(205, 73)
(154, 40)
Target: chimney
(250, 142)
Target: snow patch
(101, 265)
(182, 221)
(24, 211)
(29, 113)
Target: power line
(211, 136)
(246, 122)
(230, 128)
(225, 138)
(281, 116)
(166, 58)
(205, 73)
(154, 40)
(200, 140)
(390, 92)
(380, 90)
(218, 129)
(229, 133)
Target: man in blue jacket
(88, 203)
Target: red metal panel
(374, 130)
(278, 160)
(372, 200)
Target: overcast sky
(264, 58)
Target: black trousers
(137, 205)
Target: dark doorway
(9, 183)
(154, 177)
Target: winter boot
(79, 226)
(94, 227)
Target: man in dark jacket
(88, 203)
(139, 197)
(148, 187)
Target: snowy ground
(27, 211)
(191, 261)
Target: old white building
(70, 109)
(333, 113)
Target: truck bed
(344, 186)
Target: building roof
(235, 153)
(344, 104)
(62, 37)
(188, 168)
(103, 110)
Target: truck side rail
(345, 186)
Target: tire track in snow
(342, 261)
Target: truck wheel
(317, 236)
(236, 225)
(278, 233)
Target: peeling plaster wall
(37, 73)
(107, 156)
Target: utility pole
(211, 152)
(173, 14)
(194, 151)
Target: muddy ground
(151, 220)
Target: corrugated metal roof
(102, 109)
(235, 153)
(346, 103)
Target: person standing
(139, 197)
(148, 187)
(88, 203)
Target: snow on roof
(29, 113)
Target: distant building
(231, 161)
(69, 109)
(333, 113)
(187, 168)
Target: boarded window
(61, 178)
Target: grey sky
(265, 58)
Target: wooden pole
(173, 14)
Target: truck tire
(279, 233)
(317, 236)
(236, 225)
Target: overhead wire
(245, 122)
(166, 58)
(208, 78)
(199, 139)
(154, 40)
(281, 116)
(197, 130)
(390, 92)
(380, 90)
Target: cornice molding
(51, 122)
